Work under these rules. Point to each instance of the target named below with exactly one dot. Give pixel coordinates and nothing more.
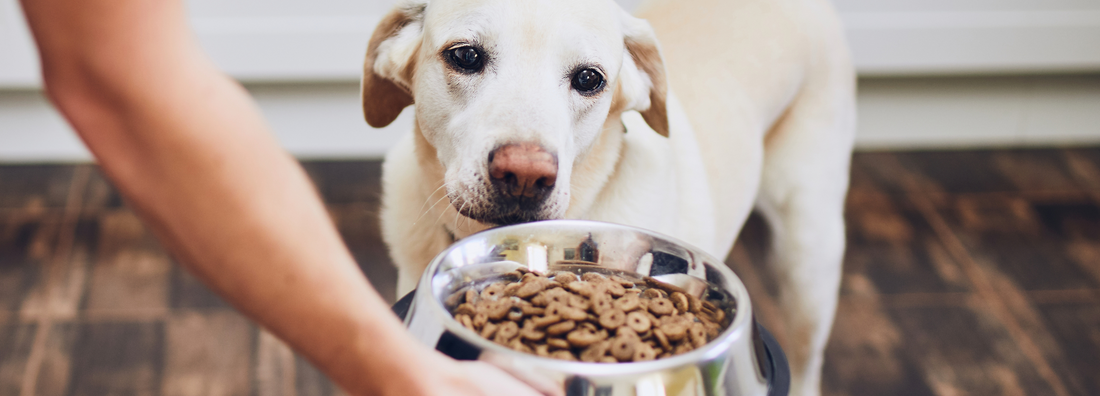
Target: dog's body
(765, 118)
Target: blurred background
(973, 265)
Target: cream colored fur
(760, 114)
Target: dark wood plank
(117, 358)
(1028, 242)
(358, 225)
(207, 353)
(130, 272)
(344, 182)
(56, 369)
(26, 245)
(15, 346)
(30, 186)
(892, 246)
(311, 382)
(1076, 327)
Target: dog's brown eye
(467, 59)
(587, 81)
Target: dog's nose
(523, 170)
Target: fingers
(493, 381)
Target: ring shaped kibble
(570, 316)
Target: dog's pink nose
(523, 170)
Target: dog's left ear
(642, 76)
(386, 87)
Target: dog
(529, 110)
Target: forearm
(188, 149)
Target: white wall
(301, 60)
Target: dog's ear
(386, 88)
(642, 78)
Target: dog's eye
(467, 59)
(587, 81)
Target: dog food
(590, 318)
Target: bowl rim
(738, 330)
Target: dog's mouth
(501, 211)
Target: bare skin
(190, 152)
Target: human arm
(190, 152)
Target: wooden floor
(967, 273)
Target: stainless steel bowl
(737, 362)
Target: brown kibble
(519, 346)
(529, 277)
(623, 348)
(531, 288)
(680, 301)
(557, 343)
(593, 277)
(643, 352)
(622, 281)
(511, 288)
(698, 334)
(582, 338)
(565, 277)
(653, 283)
(571, 313)
(709, 306)
(595, 351)
(465, 309)
(497, 310)
(578, 302)
(627, 303)
(568, 316)
(662, 339)
(465, 320)
(531, 310)
(547, 297)
(612, 319)
(531, 332)
(613, 289)
(554, 309)
(563, 355)
(675, 331)
(682, 348)
(582, 288)
(480, 320)
(601, 303)
(543, 321)
(638, 322)
(488, 330)
(660, 306)
(561, 328)
(493, 292)
(626, 332)
(508, 330)
(712, 329)
(695, 305)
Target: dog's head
(512, 94)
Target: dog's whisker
(425, 212)
(426, 200)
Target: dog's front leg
(412, 203)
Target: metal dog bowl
(743, 360)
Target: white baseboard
(323, 120)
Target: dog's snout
(523, 170)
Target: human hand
(477, 378)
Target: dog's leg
(411, 208)
(802, 193)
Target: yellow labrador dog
(547, 109)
